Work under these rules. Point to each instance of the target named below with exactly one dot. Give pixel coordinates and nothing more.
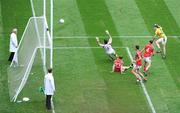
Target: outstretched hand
(97, 38)
(107, 32)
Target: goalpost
(36, 36)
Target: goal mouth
(35, 36)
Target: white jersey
(13, 43)
(49, 84)
(108, 48)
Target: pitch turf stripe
(130, 55)
(82, 47)
(143, 87)
(160, 13)
(115, 36)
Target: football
(61, 21)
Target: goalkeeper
(108, 46)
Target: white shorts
(162, 40)
(111, 52)
(136, 67)
(147, 59)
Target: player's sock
(111, 58)
(145, 69)
(145, 79)
(138, 79)
(158, 50)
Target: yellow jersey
(159, 32)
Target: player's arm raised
(97, 39)
(142, 50)
(110, 38)
(154, 37)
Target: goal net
(36, 37)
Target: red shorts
(117, 69)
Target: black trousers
(11, 56)
(48, 102)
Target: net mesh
(35, 37)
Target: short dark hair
(105, 41)
(120, 57)
(151, 41)
(50, 70)
(137, 47)
(156, 26)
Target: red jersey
(138, 58)
(149, 49)
(118, 63)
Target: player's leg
(112, 56)
(124, 68)
(113, 68)
(139, 72)
(135, 74)
(147, 64)
(164, 47)
(158, 44)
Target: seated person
(118, 65)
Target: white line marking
(44, 68)
(87, 37)
(32, 7)
(82, 47)
(143, 86)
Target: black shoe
(163, 56)
(145, 73)
(131, 65)
(158, 51)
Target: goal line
(80, 47)
(114, 36)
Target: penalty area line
(143, 86)
(114, 36)
(83, 47)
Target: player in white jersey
(107, 46)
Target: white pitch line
(87, 37)
(34, 15)
(143, 87)
(85, 47)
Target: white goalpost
(36, 36)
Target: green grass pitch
(84, 83)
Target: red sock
(145, 69)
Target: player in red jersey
(137, 65)
(148, 52)
(118, 65)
